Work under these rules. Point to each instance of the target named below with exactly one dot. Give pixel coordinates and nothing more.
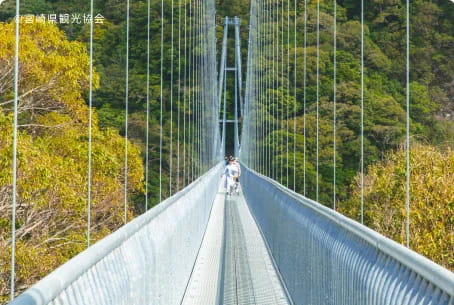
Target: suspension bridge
(266, 245)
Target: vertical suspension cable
(171, 101)
(224, 112)
(259, 90)
(334, 99)
(264, 88)
(267, 88)
(254, 112)
(407, 136)
(179, 96)
(203, 95)
(362, 111)
(190, 69)
(14, 165)
(126, 113)
(266, 92)
(261, 54)
(294, 94)
(288, 93)
(279, 57)
(269, 83)
(202, 75)
(205, 110)
(147, 137)
(199, 88)
(275, 85)
(272, 94)
(161, 101)
(304, 96)
(281, 127)
(185, 173)
(194, 95)
(236, 94)
(256, 87)
(201, 91)
(198, 83)
(246, 126)
(193, 92)
(250, 86)
(317, 103)
(90, 104)
(263, 82)
(192, 100)
(203, 87)
(196, 91)
(257, 99)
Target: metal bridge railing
(326, 258)
(147, 261)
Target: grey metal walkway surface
(203, 247)
(233, 266)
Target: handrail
(191, 206)
(268, 196)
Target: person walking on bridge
(230, 172)
(236, 164)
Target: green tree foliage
(55, 105)
(384, 86)
(431, 207)
(52, 157)
(431, 93)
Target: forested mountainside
(53, 122)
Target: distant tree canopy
(431, 87)
(432, 201)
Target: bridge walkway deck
(233, 266)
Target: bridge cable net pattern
(147, 261)
(195, 144)
(326, 258)
(322, 256)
